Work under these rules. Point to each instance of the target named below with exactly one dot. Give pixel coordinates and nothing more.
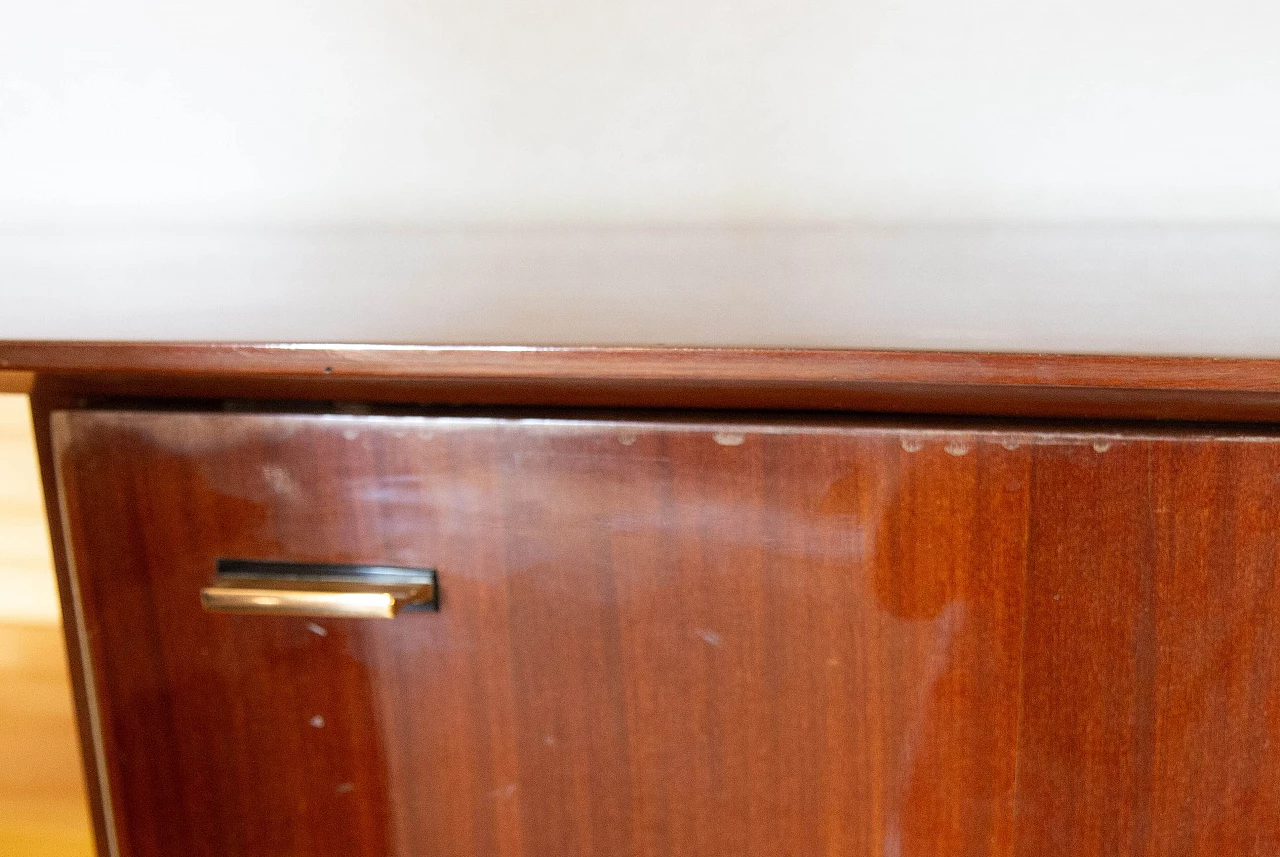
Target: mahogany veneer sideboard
(689, 601)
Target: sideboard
(668, 601)
(602, 601)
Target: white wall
(638, 110)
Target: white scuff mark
(957, 447)
(627, 438)
(186, 433)
(278, 480)
(549, 740)
(921, 712)
(350, 433)
(345, 788)
(505, 792)
(729, 438)
(317, 721)
(407, 490)
(1010, 443)
(318, 630)
(912, 444)
(1101, 445)
(710, 637)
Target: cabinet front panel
(1151, 689)
(682, 637)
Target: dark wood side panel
(654, 638)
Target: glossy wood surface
(1103, 288)
(653, 638)
(686, 637)
(1151, 705)
(1025, 385)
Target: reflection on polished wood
(654, 638)
(1084, 288)
(700, 637)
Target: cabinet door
(681, 637)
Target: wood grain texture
(1083, 787)
(687, 637)
(655, 638)
(1027, 385)
(1151, 718)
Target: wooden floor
(42, 801)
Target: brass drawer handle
(300, 589)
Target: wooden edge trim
(636, 363)
(1045, 385)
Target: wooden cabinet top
(1043, 322)
(1106, 289)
